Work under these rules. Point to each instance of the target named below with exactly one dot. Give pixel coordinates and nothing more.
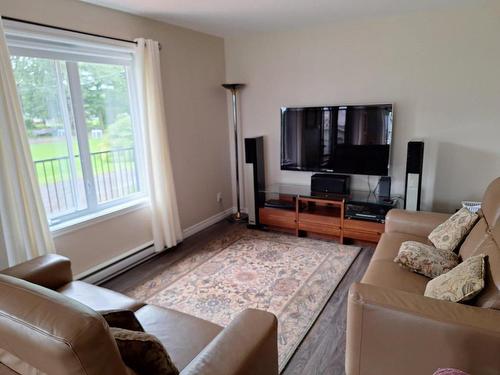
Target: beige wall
(441, 70)
(192, 69)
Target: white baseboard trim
(119, 264)
(193, 229)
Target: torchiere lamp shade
(233, 86)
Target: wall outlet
(219, 197)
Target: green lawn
(58, 171)
(56, 149)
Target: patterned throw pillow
(425, 259)
(461, 284)
(449, 371)
(143, 353)
(448, 235)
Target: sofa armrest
(248, 345)
(394, 332)
(51, 271)
(418, 223)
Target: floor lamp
(239, 216)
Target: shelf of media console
(357, 215)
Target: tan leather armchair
(49, 325)
(393, 329)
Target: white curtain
(166, 224)
(25, 230)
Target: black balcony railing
(62, 185)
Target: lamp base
(238, 217)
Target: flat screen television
(352, 139)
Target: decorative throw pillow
(461, 284)
(125, 319)
(449, 371)
(425, 259)
(143, 353)
(448, 235)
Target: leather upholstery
(51, 271)
(382, 270)
(390, 242)
(183, 335)
(417, 223)
(491, 203)
(474, 240)
(248, 346)
(490, 296)
(98, 298)
(4, 370)
(53, 333)
(58, 332)
(393, 329)
(386, 273)
(396, 332)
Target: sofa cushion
(387, 274)
(449, 371)
(382, 271)
(490, 296)
(390, 243)
(7, 370)
(182, 335)
(461, 284)
(54, 333)
(143, 352)
(425, 259)
(474, 240)
(449, 234)
(98, 298)
(491, 203)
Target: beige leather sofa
(393, 329)
(49, 325)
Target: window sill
(94, 218)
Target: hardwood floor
(323, 349)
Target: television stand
(298, 210)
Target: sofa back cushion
(484, 238)
(474, 240)
(491, 203)
(44, 330)
(490, 296)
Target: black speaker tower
(413, 181)
(254, 156)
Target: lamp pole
(237, 217)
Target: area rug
(289, 276)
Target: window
(81, 117)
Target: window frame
(72, 48)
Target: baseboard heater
(118, 265)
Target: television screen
(340, 139)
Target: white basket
(471, 206)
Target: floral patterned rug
(289, 276)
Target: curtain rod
(66, 29)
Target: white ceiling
(235, 17)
